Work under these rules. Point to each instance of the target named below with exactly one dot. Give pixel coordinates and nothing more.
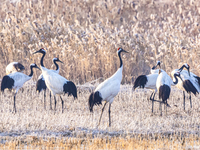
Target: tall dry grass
(86, 34)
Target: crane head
(119, 50)
(158, 63)
(57, 59)
(34, 66)
(177, 74)
(185, 66)
(42, 50)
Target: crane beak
(61, 62)
(35, 52)
(180, 78)
(188, 71)
(38, 68)
(125, 51)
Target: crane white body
(54, 81)
(41, 75)
(19, 80)
(163, 79)
(111, 86)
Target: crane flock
(157, 81)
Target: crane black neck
(41, 61)
(57, 67)
(121, 63)
(175, 76)
(31, 74)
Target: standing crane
(190, 82)
(40, 85)
(107, 90)
(148, 82)
(56, 83)
(163, 85)
(15, 80)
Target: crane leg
(14, 107)
(184, 100)
(190, 100)
(62, 104)
(44, 99)
(160, 109)
(109, 115)
(55, 102)
(101, 113)
(152, 99)
(50, 101)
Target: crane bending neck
(31, 74)
(175, 76)
(121, 63)
(57, 67)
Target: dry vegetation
(85, 36)
(139, 143)
(133, 125)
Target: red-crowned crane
(15, 80)
(40, 85)
(190, 82)
(107, 90)
(148, 82)
(55, 82)
(14, 67)
(163, 85)
(154, 70)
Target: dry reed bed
(86, 35)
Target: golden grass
(139, 142)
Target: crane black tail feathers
(7, 82)
(189, 87)
(94, 99)
(140, 81)
(164, 92)
(71, 89)
(40, 85)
